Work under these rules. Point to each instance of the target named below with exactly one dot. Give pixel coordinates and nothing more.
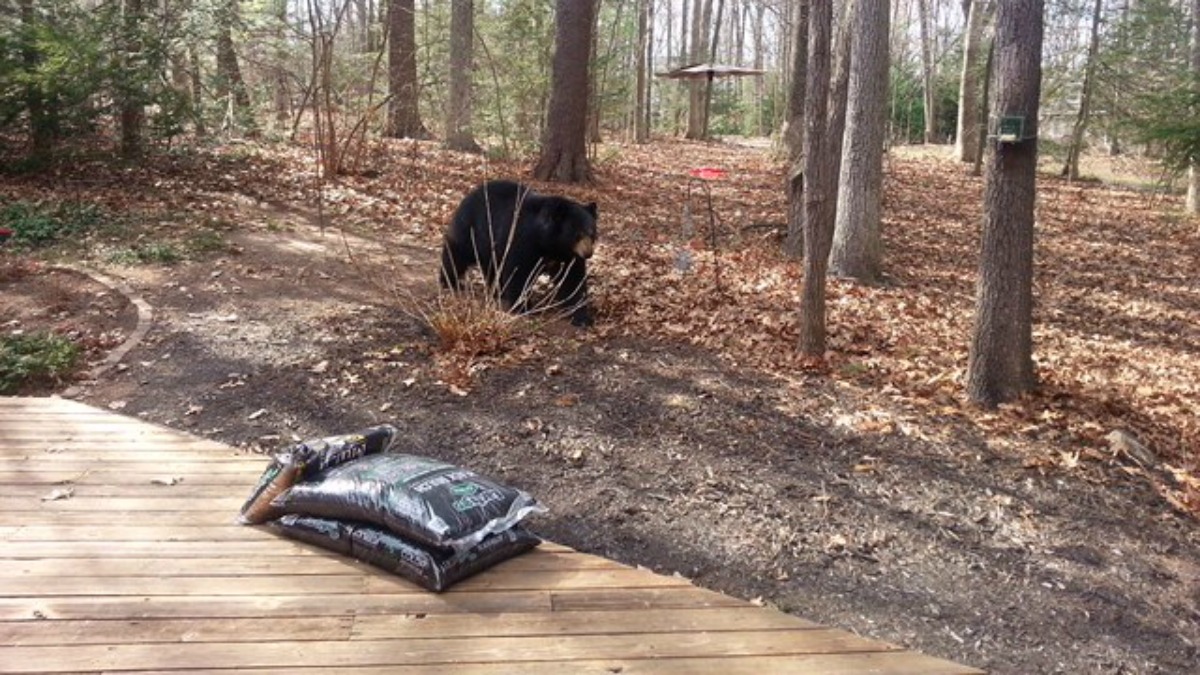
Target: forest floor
(681, 432)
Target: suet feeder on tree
(1011, 129)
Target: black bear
(515, 234)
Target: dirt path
(661, 455)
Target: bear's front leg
(570, 291)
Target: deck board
(141, 567)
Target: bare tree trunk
(927, 71)
(966, 140)
(41, 134)
(459, 107)
(1075, 147)
(793, 133)
(857, 244)
(712, 58)
(404, 114)
(231, 88)
(133, 114)
(1000, 366)
(1193, 188)
(283, 96)
(564, 143)
(819, 177)
(701, 18)
(641, 131)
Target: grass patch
(147, 254)
(35, 358)
(40, 226)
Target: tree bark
(966, 140)
(41, 134)
(857, 245)
(1075, 146)
(793, 133)
(459, 107)
(133, 114)
(230, 85)
(1193, 188)
(564, 148)
(404, 114)
(701, 18)
(641, 118)
(1000, 366)
(927, 71)
(819, 200)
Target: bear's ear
(591, 208)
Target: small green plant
(205, 241)
(147, 254)
(35, 358)
(37, 226)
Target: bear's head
(572, 229)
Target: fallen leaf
(59, 494)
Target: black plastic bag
(435, 570)
(435, 504)
(307, 459)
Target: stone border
(145, 317)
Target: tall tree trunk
(231, 88)
(641, 130)
(133, 114)
(819, 177)
(1000, 366)
(1193, 189)
(712, 58)
(459, 107)
(857, 244)
(283, 95)
(564, 148)
(1075, 146)
(701, 18)
(41, 133)
(927, 71)
(404, 114)
(966, 139)
(793, 132)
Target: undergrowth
(35, 358)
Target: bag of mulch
(435, 504)
(310, 458)
(435, 570)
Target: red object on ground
(5, 233)
(707, 173)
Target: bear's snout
(584, 247)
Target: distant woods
(477, 74)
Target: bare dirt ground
(820, 491)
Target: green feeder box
(1012, 129)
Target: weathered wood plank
(228, 504)
(143, 489)
(376, 627)
(496, 579)
(431, 651)
(875, 663)
(536, 561)
(64, 633)
(136, 532)
(103, 475)
(269, 607)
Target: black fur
(552, 235)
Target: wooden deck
(119, 553)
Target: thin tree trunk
(1193, 189)
(641, 131)
(793, 133)
(133, 114)
(701, 18)
(1075, 146)
(564, 148)
(966, 140)
(459, 107)
(40, 132)
(927, 81)
(857, 245)
(819, 199)
(712, 57)
(1000, 367)
(230, 85)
